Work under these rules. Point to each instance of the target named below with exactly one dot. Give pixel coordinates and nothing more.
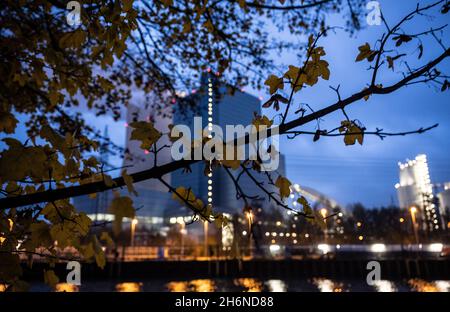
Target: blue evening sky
(368, 173)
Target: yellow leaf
(127, 5)
(274, 83)
(364, 52)
(353, 133)
(283, 185)
(306, 207)
(145, 132)
(262, 120)
(7, 122)
(129, 182)
(121, 207)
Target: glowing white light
(276, 286)
(436, 247)
(244, 233)
(378, 248)
(384, 286)
(324, 248)
(274, 248)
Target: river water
(254, 285)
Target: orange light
(413, 210)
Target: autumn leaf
(128, 182)
(145, 132)
(127, 5)
(7, 122)
(274, 83)
(400, 39)
(121, 207)
(262, 121)
(365, 53)
(283, 185)
(275, 101)
(306, 207)
(352, 132)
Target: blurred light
(276, 286)
(244, 233)
(378, 248)
(306, 235)
(135, 221)
(402, 220)
(274, 248)
(66, 287)
(323, 212)
(436, 247)
(358, 224)
(384, 286)
(267, 233)
(278, 223)
(324, 248)
(295, 241)
(360, 237)
(274, 234)
(128, 287)
(338, 246)
(413, 209)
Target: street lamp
(413, 211)
(134, 222)
(324, 212)
(249, 215)
(205, 232)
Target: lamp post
(182, 232)
(324, 213)
(413, 211)
(134, 222)
(205, 231)
(249, 215)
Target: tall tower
(415, 189)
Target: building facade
(415, 190)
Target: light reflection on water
(327, 285)
(276, 285)
(128, 287)
(247, 284)
(425, 286)
(199, 285)
(66, 287)
(385, 286)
